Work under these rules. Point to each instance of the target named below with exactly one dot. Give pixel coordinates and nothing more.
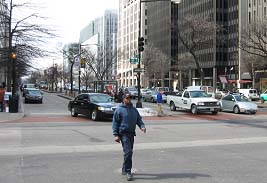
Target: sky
(68, 17)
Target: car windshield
(100, 98)
(241, 98)
(198, 94)
(34, 92)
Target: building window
(249, 17)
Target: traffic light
(141, 44)
(83, 61)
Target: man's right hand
(117, 139)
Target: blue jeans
(127, 141)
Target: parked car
(251, 93)
(238, 104)
(26, 87)
(132, 90)
(220, 94)
(151, 96)
(33, 95)
(96, 105)
(143, 91)
(263, 97)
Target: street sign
(139, 70)
(134, 60)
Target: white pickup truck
(193, 100)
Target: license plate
(211, 109)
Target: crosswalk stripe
(117, 147)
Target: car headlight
(104, 109)
(200, 103)
(218, 103)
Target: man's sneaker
(129, 176)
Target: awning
(223, 79)
(240, 81)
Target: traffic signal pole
(139, 102)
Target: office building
(100, 37)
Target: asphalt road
(226, 148)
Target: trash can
(13, 104)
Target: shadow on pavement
(168, 176)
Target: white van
(249, 93)
(208, 89)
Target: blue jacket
(159, 98)
(125, 120)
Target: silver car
(238, 104)
(151, 96)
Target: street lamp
(139, 102)
(14, 63)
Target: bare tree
(253, 42)
(87, 76)
(156, 63)
(252, 64)
(194, 32)
(254, 38)
(96, 64)
(24, 36)
(70, 53)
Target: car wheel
(152, 100)
(214, 112)
(262, 100)
(73, 113)
(236, 110)
(144, 99)
(95, 115)
(194, 109)
(172, 106)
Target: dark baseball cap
(127, 95)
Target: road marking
(117, 147)
(47, 114)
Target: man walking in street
(124, 122)
(159, 103)
(2, 95)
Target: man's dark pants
(127, 141)
(1, 106)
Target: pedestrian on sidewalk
(124, 122)
(2, 95)
(159, 103)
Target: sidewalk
(6, 116)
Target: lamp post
(139, 102)
(14, 77)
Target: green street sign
(134, 60)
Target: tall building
(159, 28)
(221, 60)
(128, 29)
(101, 36)
(3, 41)
(161, 32)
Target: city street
(49, 145)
